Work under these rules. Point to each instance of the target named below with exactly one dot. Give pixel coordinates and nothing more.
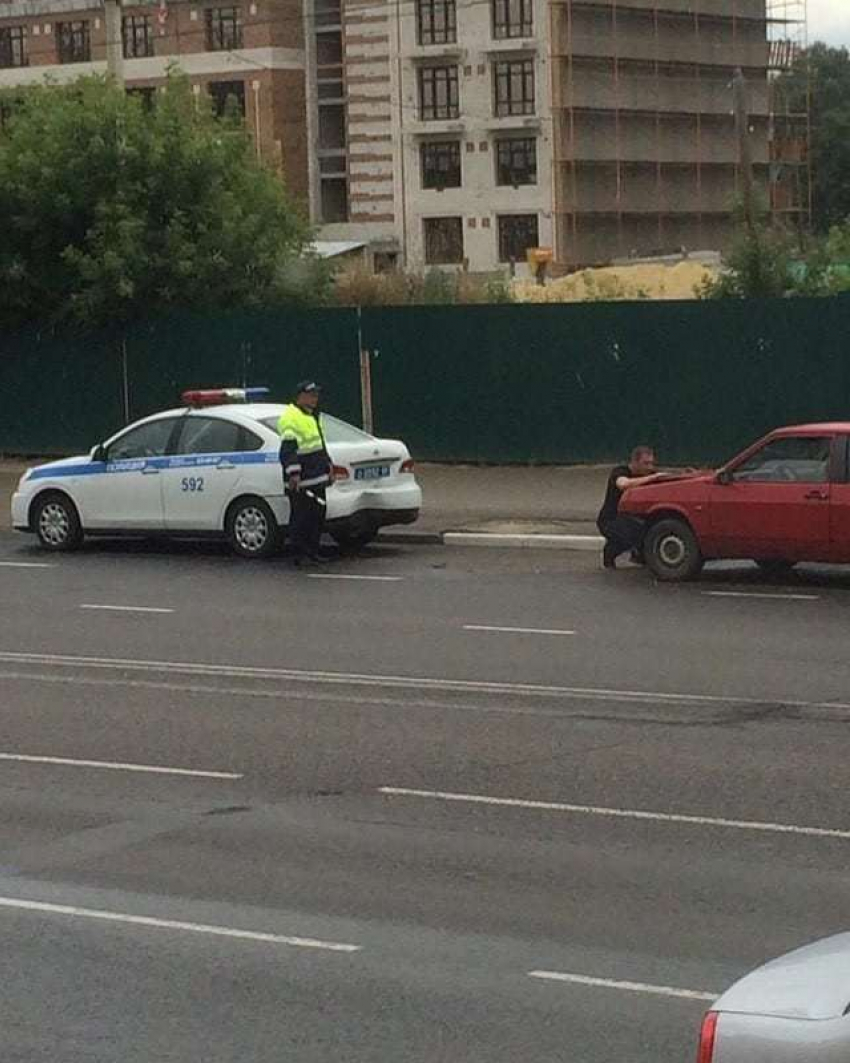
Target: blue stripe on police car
(177, 461)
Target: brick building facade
(252, 52)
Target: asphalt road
(403, 816)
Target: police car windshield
(336, 431)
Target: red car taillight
(341, 473)
(707, 1037)
(408, 466)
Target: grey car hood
(810, 983)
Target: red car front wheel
(672, 551)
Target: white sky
(829, 20)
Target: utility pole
(114, 40)
(745, 158)
(365, 377)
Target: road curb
(416, 538)
(526, 540)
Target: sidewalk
(550, 500)
(547, 499)
(10, 472)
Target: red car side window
(791, 459)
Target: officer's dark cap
(307, 385)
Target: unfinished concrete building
(646, 148)
(790, 114)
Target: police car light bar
(223, 396)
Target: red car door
(775, 503)
(839, 506)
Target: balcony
(523, 46)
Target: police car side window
(249, 441)
(147, 441)
(337, 431)
(209, 435)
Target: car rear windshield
(336, 431)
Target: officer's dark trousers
(621, 535)
(306, 521)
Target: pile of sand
(641, 281)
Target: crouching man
(624, 534)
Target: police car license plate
(372, 472)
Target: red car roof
(813, 429)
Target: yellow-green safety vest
(302, 448)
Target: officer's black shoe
(609, 558)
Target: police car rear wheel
(672, 551)
(252, 528)
(57, 523)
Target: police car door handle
(150, 470)
(225, 465)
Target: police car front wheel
(251, 528)
(56, 522)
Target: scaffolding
(645, 149)
(789, 84)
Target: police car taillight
(407, 466)
(707, 1038)
(341, 473)
(222, 396)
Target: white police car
(212, 469)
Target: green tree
(759, 263)
(768, 260)
(825, 73)
(830, 267)
(113, 211)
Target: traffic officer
(307, 471)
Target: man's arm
(289, 454)
(331, 476)
(289, 457)
(625, 482)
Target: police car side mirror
(98, 453)
(724, 477)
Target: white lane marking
(763, 594)
(127, 608)
(619, 813)
(342, 575)
(629, 987)
(518, 630)
(174, 924)
(26, 564)
(150, 769)
(402, 682)
(282, 695)
(373, 701)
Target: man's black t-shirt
(613, 495)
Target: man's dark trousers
(306, 520)
(622, 535)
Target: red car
(785, 499)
